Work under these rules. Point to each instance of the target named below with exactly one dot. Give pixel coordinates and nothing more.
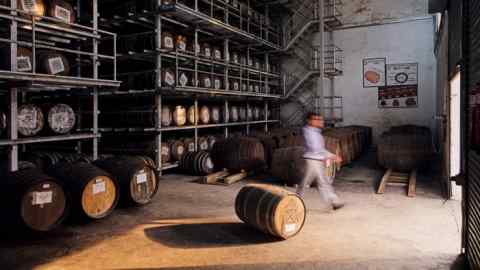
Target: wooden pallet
(224, 178)
(393, 178)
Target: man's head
(315, 120)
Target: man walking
(316, 157)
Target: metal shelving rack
(48, 33)
(256, 37)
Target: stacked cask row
(238, 154)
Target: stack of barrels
(196, 163)
(236, 154)
(40, 198)
(348, 142)
(31, 121)
(405, 148)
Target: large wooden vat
(136, 177)
(197, 163)
(32, 200)
(273, 210)
(94, 192)
(237, 154)
(405, 148)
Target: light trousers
(315, 173)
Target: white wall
(400, 43)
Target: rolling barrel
(238, 154)
(33, 200)
(179, 116)
(137, 180)
(196, 163)
(30, 120)
(94, 193)
(61, 118)
(270, 209)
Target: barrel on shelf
(168, 77)
(167, 41)
(206, 50)
(215, 116)
(137, 179)
(233, 114)
(179, 116)
(189, 144)
(94, 192)
(30, 120)
(166, 116)
(249, 113)
(256, 113)
(183, 79)
(288, 165)
(242, 114)
(405, 148)
(35, 7)
(46, 159)
(205, 81)
(203, 144)
(211, 141)
(270, 209)
(181, 43)
(61, 10)
(165, 152)
(52, 63)
(177, 149)
(236, 154)
(217, 53)
(217, 82)
(192, 115)
(204, 115)
(196, 163)
(33, 200)
(61, 118)
(3, 123)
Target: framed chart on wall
(374, 73)
(402, 87)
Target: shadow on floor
(208, 235)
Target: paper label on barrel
(204, 146)
(24, 64)
(207, 83)
(60, 120)
(183, 79)
(28, 120)
(169, 78)
(209, 163)
(290, 228)
(218, 54)
(218, 84)
(191, 147)
(62, 14)
(99, 186)
(42, 197)
(168, 41)
(141, 178)
(28, 5)
(56, 65)
(236, 86)
(208, 53)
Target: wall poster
(374, 72)
(402, 87)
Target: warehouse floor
(190, 224)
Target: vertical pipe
(226, 55)
(96, 112)
(196, 45)
(95, 76)
(158, 127)
(12, 125)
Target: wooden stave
(71, 118)
(255, 199)
(17, 201)
(125, 169)
(40, 120)
(76, 178)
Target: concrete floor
(193, 226)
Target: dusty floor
(193, 226)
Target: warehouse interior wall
(403, 42)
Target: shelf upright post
(226, 112)
(248, 118)
(266, 116)
(196, 49)
(196, 115)
(12, 126)
(158, 96)
(95, 76)
(226, 53)
(158, 126)
(267, 69)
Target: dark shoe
(337, 205)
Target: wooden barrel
(166, 116)
(24, 59)
(34, 7)
(242, 114)
(234, 85)
(179, 116)
(32, 200)
(61, 118)
(256, 113)
(183, 79)
(177, 149)
(181, 43)
(226, 114)
(204, 116)
(167, 41)
(211, 141)
(138, 181)
(189, 144)
(94, 192)
(53, 63)
(217, 53)
(288, 165)
(270, 146)
(215, 115)
(270, 209)
(61, 10)
(203, 144)
(217, 82)
(234, 57)
(192, 115)
(233, 114)
(236, 154)
(165, 151)
(206, 50)
(30, 120)
(249, 113)
(205, 81)
(168, 77)
(405, 148)
(3, 123)
(196, 163)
